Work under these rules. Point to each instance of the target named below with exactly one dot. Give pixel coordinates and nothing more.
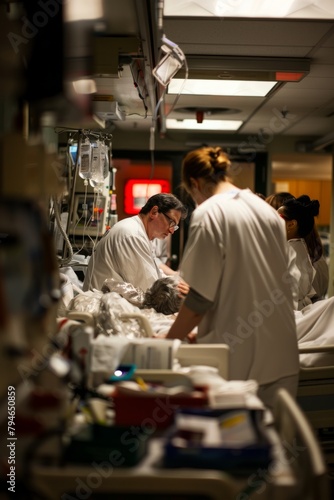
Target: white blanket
(315, 327)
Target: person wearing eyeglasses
(125, 253)
(236, 264)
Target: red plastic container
(154, 412)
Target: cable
(67, 260)
(181, 88)
(83, 216)
(71, 204)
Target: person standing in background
(314, 247)
(298, 214)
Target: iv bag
(105, 160)
(85, 170)
(96, 179)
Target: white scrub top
(237, 257)
(307, 272)
(321, 279)
(160, 250)
(125, 254)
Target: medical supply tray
(181, 450)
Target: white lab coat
(125, 254)
(160, 250)
(321, 279)
(237, 257)
(307, 272)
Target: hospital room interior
(114, 382)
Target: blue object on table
(123, 372)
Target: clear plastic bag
(134, 295)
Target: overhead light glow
(293, 9)
(192, 124)
(236, 88)
(77, 10)
(85, 86)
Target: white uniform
(321, 279)
(125, 254)
(160, 250)
(315, 328)
(237, 257)
(307, 272)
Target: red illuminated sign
(137, 192)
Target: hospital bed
(187, 355)
(316, 397)
(90, 320)
(215, 355)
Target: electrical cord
(67, 260)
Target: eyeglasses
(172, 223)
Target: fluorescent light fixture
(220, 87)
(84, 86)
(293, 9)
(263, 69)
(77, 10)
(192, 124)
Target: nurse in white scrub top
(315, 249)
(299, 214)
(236, 264)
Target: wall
(131, 169)
(316, 189)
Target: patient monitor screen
(90, 215)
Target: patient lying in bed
(315, 323)
(117, 299)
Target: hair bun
(214, 153)
(304, 199)
(314, 207)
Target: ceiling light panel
(192, 124)
(291, 9)
(220, 87)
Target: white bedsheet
(315, 327)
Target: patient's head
(163, 296)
